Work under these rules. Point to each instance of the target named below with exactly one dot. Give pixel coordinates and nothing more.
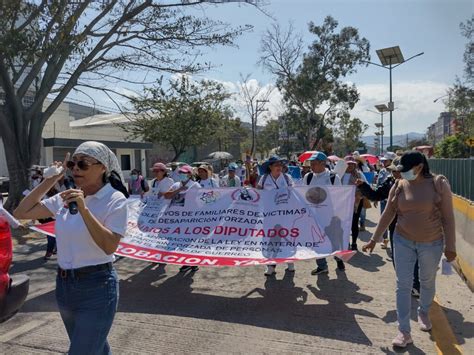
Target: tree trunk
(21, 152)
(177, 153)
(17, 169)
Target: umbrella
(220, 156)
(334, 158)
(372, 159)
(306, 155)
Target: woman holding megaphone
(90, 220)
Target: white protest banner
(238, 226)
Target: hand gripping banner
(239, 227)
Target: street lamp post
(391, 58)
(383, 108)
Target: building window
(125, 162)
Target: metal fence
(459, 173)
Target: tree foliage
(348, 131)
(269, 137)
(313, 79)
(467, 30)
(183, 115)
(452, 147)
(49, 48)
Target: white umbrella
(220, 156)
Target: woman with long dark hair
(425, 227)
(90, 220)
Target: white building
(63, 134)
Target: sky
(429, 26)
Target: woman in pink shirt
(425, 227)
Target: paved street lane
(238, 310)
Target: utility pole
(258, 109)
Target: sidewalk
(238, 310)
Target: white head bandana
(102, 154)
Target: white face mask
(409, 175)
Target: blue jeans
(406, 253)
(87, 305)
(383, 204)
(363, 213)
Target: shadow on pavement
(410, 349)
(368, 262)
(278, 305)
(461, 329)
(22, 266)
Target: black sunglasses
(81, 164)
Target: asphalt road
(238, 310)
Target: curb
(444, 339)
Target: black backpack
(332, 176)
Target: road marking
(443, 335)
(21, 330)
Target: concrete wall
(464, 214)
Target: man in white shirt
(321, 176)
(231, 179)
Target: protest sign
(240, 226)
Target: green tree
(467, 30)
(314, 79)
(348, 132)
(269, 137)
(49, 48)
(461, 95)
(229, 130)
(452, 147)
(183, 115)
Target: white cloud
(414, 106)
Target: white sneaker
(291, 267)
(402, 340)
(424, 322)
(270, 270)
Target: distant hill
(399, 139)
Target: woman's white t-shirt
(161, 186)
(209, 183)
(271, 183)
(75, 245)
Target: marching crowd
(416, 209)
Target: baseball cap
(318, 156)
(409, 160)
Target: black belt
(84, 270)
